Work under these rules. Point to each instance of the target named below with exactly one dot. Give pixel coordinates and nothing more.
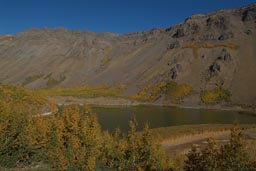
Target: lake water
(157, 116)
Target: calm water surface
(157, 116)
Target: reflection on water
(157, 116)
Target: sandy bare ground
(183, 144)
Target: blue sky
(119, 16)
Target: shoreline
(125, 102)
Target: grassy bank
(81, 92)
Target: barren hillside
(205, 51)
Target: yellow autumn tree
(216, 95)
(17, 140)
(180, 92)
(76, 139)
(134, 152)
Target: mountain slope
(205, 51)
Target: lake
(158, 116)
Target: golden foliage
(69, 139)
(176, 93)
(134, 152)
(216, 95)
(196, 45)
(76, 138)
(230, 156)
(142, 94)
(22, 136)
(156, 90)
(180, 92)
(24, 99)
(105, 60)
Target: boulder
(207, 37)
(179, 33)
(225, 55)
(173, 45)
(178, 67)
(214, 69)
(192, 28)
(248, 32)
(226, 36)
(249, 15)
(217, 21)
(173, 73)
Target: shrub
(170, 89)
(31, 79)
(75, 140)
(53, 82)
(134, 152)
(229, 157)
(70, 140)
(142, 94)
(105, 61)
(180, 92)
(219, 94)
(156, 90)
(177, 92)
(17, 95)
(22, 136)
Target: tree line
(73, 140)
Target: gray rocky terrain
(205, 51)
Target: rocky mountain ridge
(205, 51)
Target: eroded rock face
(218, 22)
(179, 33)
(208, 37)
(249, 15)
(173, 73)
(192, 27)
